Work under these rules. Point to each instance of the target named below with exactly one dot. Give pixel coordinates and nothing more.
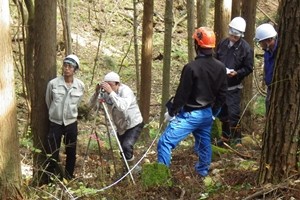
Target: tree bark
(236, 8)
(146, 60)
(10, 178)
(280, 152)
(222, 18)
(28, 54)
(136, 48)
(202, 11)
(65, 7)
(248, 13)
(190, 28)
(167, 57)
(44, 71)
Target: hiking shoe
(203, 173)
(130, 159)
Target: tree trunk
(280, 152)
(136, 48)
(167, 57)
(202, 11)
(10, 179)
(65, 7)
(28, 54)
(236, 8)
(222, 18)
(190, 28)
(248, 13)
(146, 60)
(44, 71)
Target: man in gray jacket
(63, 96)
(124, 110)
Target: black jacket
(202, 84)
(238, 57)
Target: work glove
(168, 118)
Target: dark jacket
(269, 63)
(202, 84)
(238, 57)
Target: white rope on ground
(129, 171)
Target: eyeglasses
(68, 65)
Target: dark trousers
(54, 138)
(129, 138)
(230, 115)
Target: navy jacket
(238, 57)
(269, 63)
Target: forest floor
(233, 174)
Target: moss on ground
(156, 174)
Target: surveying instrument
(109, 123)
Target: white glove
(168, 118)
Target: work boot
(226, 134)
(236, 135)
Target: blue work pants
(198, 122)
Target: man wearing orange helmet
(237, 56)
(202, 87)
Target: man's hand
(168, 118)
(232, 74)
(105, 86)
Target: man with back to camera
(63, 96)
(237, 55)
(124, 109)
(202, 87)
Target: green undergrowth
(156, 174)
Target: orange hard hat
(205, 37)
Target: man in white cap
(266, 36)
(63, 96)
(124, 109)
(238, 57)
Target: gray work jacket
(62, 102)
(123, 107)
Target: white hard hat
(238, 23)
(265, 31)
(112, 76)
(73, 60)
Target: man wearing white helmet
(63, 96)
(124, 109)
(237, 55)
(266, 36)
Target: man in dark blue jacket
(266, 36)
(237, 56)
(202, 87)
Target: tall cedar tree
(44, 71)
(10, 178)
(280, 156)
(146, 60)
